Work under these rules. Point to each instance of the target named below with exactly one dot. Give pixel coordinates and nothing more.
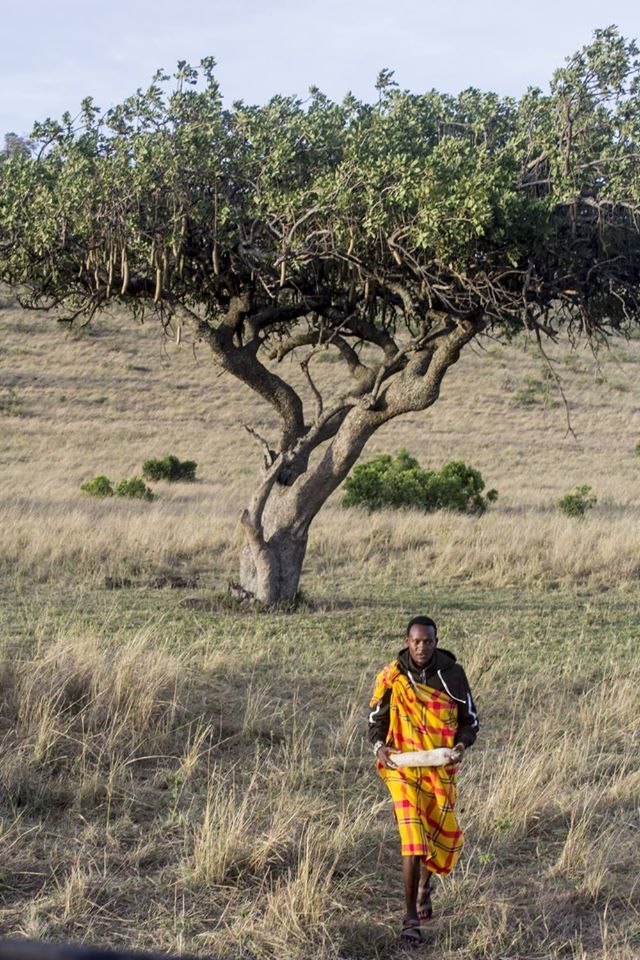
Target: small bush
(535, 391)
(10, 403)
(135, 488)
(170, 468)
(99, 486)
(637, 449)
(400, 481)
(577, 503)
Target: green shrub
(400, 481)
(637, 449)
(170, 468)
(577, 503)
(99, 486)
(10, 403)
(134, 487)
(535, 391)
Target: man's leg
(411, 877)
(425, 910)
(411, 923)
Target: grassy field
(177, 776)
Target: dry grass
(113, 745)
(158, 794)
(178, 779)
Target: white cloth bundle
(424, 758)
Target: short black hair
(422, 622)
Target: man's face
(422, 642)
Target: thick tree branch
(419, 385)
(277, 315)
(366, 330)
(243, 363)
(281, 348)
(326, 337)
(415, 388)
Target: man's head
(422, 639)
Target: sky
(55, 52)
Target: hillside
(101, 400)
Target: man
(422, 701)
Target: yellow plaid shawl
(424, 798)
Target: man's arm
(468, 725)
(379, 718)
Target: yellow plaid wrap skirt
(424, 798)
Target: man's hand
(384, 756)
(457, 753)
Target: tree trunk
(276, 523)
(271, 572)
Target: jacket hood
(441, 660)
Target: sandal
(411, 933)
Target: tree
(14, 143)
(392, 234)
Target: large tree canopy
(411, 225)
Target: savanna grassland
(180, 776)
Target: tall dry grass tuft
(114, 692)
(222, 838)
(303, 904)
(82, 542)
(500, 549)
(82, 713)
(589, 854)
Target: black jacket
(442, 673)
